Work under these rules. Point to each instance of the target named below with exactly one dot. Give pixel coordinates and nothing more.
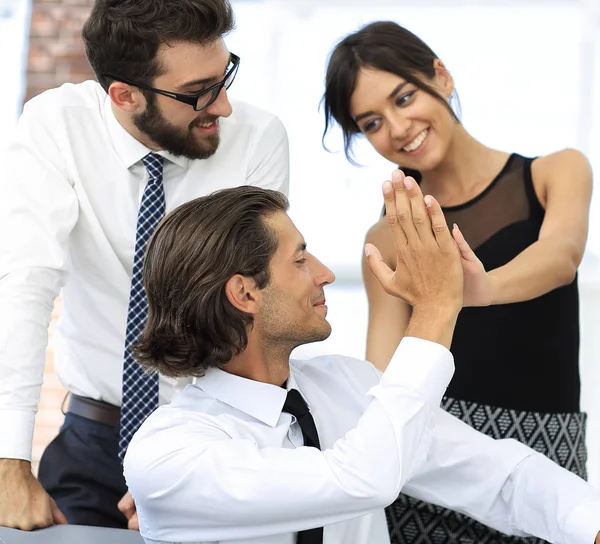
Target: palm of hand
(477, 283)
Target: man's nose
(221, 107)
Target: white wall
(518, 70)
(14, 24)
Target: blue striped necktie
(140, 390)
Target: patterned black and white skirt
(561, 437)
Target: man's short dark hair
(122, 37)
(194, 251)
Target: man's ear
(443, 79)
(126, 97)
(243, 294)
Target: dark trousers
(81, 471)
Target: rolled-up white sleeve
(505, 485)
(193, 482)
(38, 208)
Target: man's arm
(38, 208)
(196, 483)
(269, 165)
(505, 485)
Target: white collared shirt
(223, 464)
(70, 187)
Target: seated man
(264, 449)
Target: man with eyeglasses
(92, 170)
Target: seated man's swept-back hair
(194, 251)
(122, 37)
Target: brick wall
(56, 55)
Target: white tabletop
(70, 534)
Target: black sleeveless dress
(517, 365)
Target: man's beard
(179, 142)
(281, 330)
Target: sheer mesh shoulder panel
(503, 203)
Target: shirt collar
(262, 401)
(130, 150)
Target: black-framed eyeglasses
(199, 100)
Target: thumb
(57, 516)
(465, 249)
(378, 268)
(127, 505)
(133, 523)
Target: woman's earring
(454, 102)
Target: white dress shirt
(70, 188)
(222, 463)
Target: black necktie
(295, 405)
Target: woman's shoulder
(378, 229)
(550, 170)
(379, 236)
(565, 160)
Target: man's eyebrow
(301, 247)
(195, 82)
(390, 96)
(206, 80)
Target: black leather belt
(96, 410)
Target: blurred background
(527, 73)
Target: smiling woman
(517, 368)
(361, 87)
